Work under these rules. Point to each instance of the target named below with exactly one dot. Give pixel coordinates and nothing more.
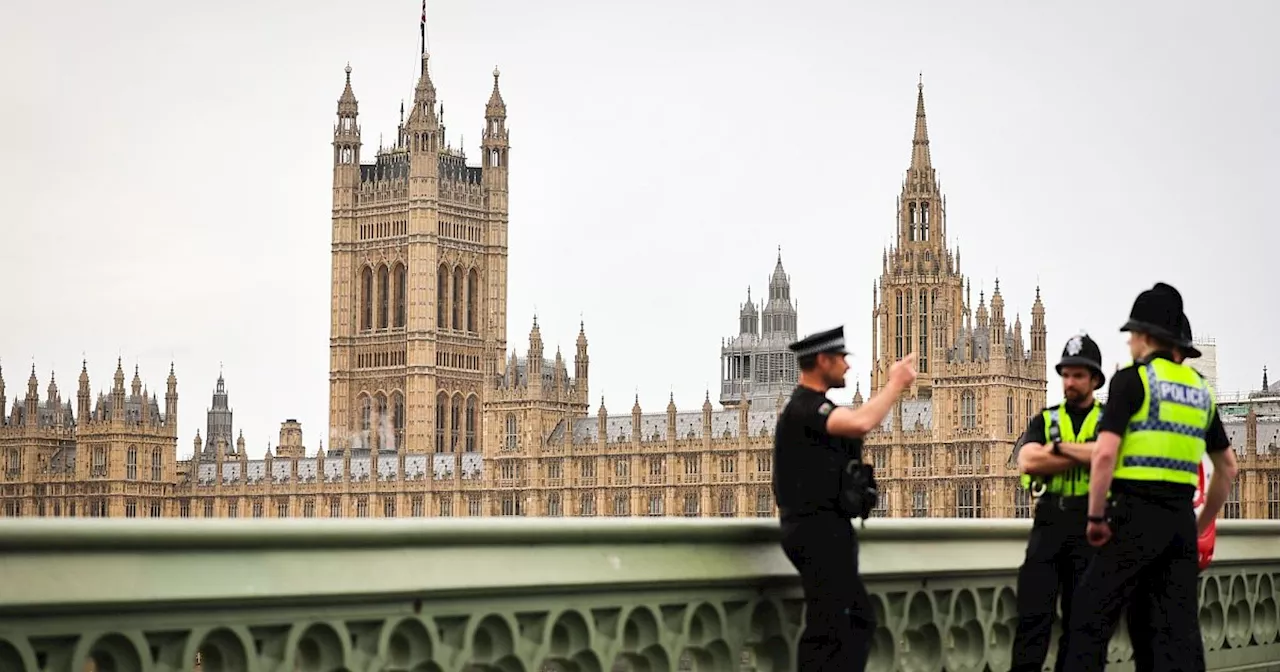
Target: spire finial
(348, 71)
(496, 73)
(920, 83)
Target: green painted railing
(535, 594)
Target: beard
(835, 381)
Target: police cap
(1186, 342)
(830, 341)
(1158, 312)
(1083, 351)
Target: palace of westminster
(431, 417)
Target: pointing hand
(903, 371)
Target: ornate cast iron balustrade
(535, 594)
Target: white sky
(167, 174)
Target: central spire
(920, 159)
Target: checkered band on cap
(825, 345)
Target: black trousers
(839, 616)
(1152, 549)
(1057, 554)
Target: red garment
(1210, 535)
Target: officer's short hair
(808, 362)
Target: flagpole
(422, 28)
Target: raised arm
(855, 423)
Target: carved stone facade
(943, 451)
(116, 457)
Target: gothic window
(402, 291)
(919, 502)
(471, 424)
(897, 350)
(1273, 495)
(442, 408)
(968, 500)
(366, 413)
(1030, 410)
(968, 410)
(1009, 413)
(924, 330)
(382, 421)
(157, 465)
(554, 507)
(473, 299)
(1232, 508)
(691, 506)
(455, 424)
(764, 503)
(442, 298)
(384, 298)
(366, 299)
(1021, 503)
(512, 432)
(131, 464)
(924, 221)
(397, 417)
(911, 209)
(457, 298)
(909, 297)
(728, 507)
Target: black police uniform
(817, 535)
(1141, 613)
(1154, 537)
(1057, 552)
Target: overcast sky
(167, 173)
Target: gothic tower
(919, 298)
(418, 324)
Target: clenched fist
(903, 371)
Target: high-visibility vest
(1073, 482)
(1165, 439)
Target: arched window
(968, 410)
(366, 413)
(384, 296)
(455, 425)
(366, 299)
(1009, 413)
(471, 424)
(924, 221)
(402, 292)
(473, 299)
(442, 299)
(513, 432)
(442, 410)
(397, 418)
(382, 422)
(157, 465)
(897, 348)
(131, 464)
(924, 331)
(457, 298)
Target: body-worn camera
(858, 491)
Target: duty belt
(1063, 503)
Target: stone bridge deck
(516, 594)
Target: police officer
(1147, 640)
(1053, 456)
(1159, 419)
(817, 447)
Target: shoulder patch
(826, 408)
